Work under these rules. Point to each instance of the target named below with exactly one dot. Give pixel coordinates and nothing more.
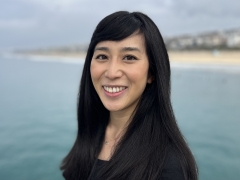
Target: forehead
(134, 40)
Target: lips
(114, 89)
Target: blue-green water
(38, 116)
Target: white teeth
(113, 89)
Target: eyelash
(129, 57)
(101, 55)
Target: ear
(150, 79)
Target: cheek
(94, 71)
(94, 75)
(139, 74)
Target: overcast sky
(48, 23)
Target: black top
(172, 169)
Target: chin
(113, 108)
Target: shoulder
(172, 168)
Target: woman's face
(119, 72)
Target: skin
(119, 64)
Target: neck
(119, 120)
(117, 124)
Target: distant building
(233, 38)
(209, 40)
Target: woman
(126, 126)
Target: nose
(113, 70)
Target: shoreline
(184, 57)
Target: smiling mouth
(114, 89)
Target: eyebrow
(101, 49)
(122, 50)
(130, 49)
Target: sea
(38, 126)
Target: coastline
(184, 57)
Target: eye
(129, 57)
(101, 57)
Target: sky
(31, 24)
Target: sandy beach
(197, 57)
(203, 57)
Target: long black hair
(141, 152)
